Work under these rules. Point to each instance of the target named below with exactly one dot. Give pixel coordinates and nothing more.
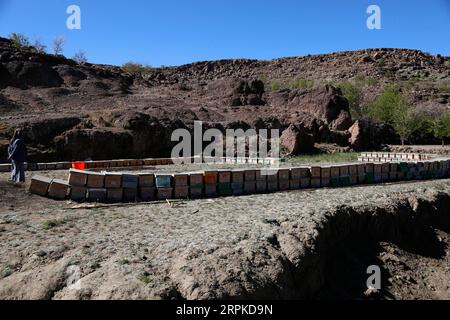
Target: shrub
(80, 57)
(275, 85)
(135, 67)
(353, 93)
(19, 40)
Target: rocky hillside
(85, 111)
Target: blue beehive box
(130, 181)
(163, 180)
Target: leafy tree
(392, 108)
(19, 40)
(441, 127)
(58, 45)
(80, 57)
(353, 93)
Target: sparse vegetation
(274, 85)
(39, 47)
(58, 45)
(325, 158)
(135, 67)
(80, 57)
(19, 40)
(301, 84)
(50, 224)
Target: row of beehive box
(104, 164)
(118, 187)
(92, 164)
(391, 156)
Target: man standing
(17, 152)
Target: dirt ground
(297, 244)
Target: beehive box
(305, 183)
(40, 185)
(164, 193)
(210, 177)
(96, 180)
(272, 186)
(147, 193)
(237, 176)
(294, 184)
(249, 187)
(114, 195)
(196, 192)
(261, 186)
(224, 176)
(325, 172)
(284, 175)
(315, 172)
(96, 194)
(343, 170)
(325, 181)
(130, 181)
(163, 180)
(58, 189)
(250, 175)
(361, 169)
(196, 180)
(130, 194)
(78, 194)
(180, 180)
(77, 178)
(316, 182)
(210, 190)
(284, 185)
(146, 180)
(261, 175)
(5, 167)
(334, 172)
(272, 175)
(224, 189)
(181, 192)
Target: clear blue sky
(174, 32)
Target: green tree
(353, 93)
(392, 108)
(19, 40)
(441, 127)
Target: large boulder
(323, 102)
(31, 74)
(238, 92)
(96, 144)
(369, 135)
(296, 140)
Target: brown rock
(297, 140)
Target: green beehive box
(224, 189)
(344, 181)
(334, 182)
(370, 177)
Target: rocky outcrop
(297, 140)
(367, 135)
(238, 92)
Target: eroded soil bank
(300, 244)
